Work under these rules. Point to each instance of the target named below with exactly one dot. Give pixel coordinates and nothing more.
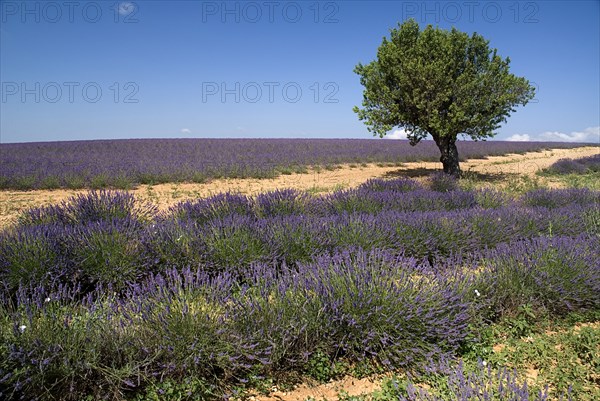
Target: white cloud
(397, 134)
(520, 138)
(126, 8)
(186, 131)
(590, 134)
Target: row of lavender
(354, 306)
(114, 298)
(122, 163)
(104, 238)
(581, 165)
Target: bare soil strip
(328, 391)
(499, 168)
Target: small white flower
(484, 363)
(22, 328)
(477, 293)
(47, 300)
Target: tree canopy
(440, 83)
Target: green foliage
(439, 83)
(75, 182)
(569, 359)
(99, 181)
(355, 203)
(521, 324)
(479, 342)
(198, 177)
(322, 368)
(50, 182)
(592, 221)
(563, 353)
(187, 389)
(285, 170)
(122, 181)
(173, 246)
(66, 349)
(523, 183)
(28, 255)
(556, 273)
(107, 254)
(491, 199)
(256, 381)
(234, 246)
(25, 182)
(590, 180)
(353, 234)
(366, 368)
(294, 243)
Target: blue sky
(169, 69)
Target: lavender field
(126, 163)
(581, 165)
(103, 297)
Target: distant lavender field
(123, 163)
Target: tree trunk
(449, 159)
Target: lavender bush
(282, 203)
(30, 256)
(558, 274)
(561, 197)
(576, 166)
(95, 206)
(105, 238)
(483, 384)
(216, 206)
(443, 182)
(353, 305)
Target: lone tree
(438, 82)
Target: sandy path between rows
(12, 203)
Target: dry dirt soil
(495, 170)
